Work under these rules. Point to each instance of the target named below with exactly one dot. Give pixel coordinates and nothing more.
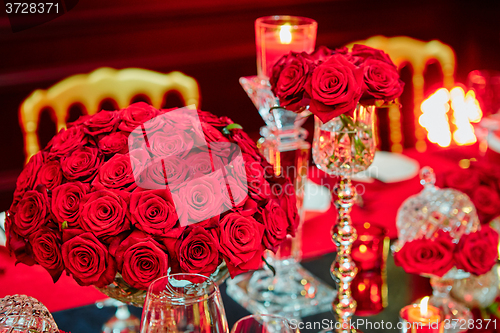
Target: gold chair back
(417, 53)
(91, 89)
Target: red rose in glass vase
(108, 202)
(332, 83)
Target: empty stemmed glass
(264, 324)
(184, 303)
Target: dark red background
(213, 41)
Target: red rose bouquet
(137, 193)
(332, 83)
(475, 253)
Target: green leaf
(233, 126)
(269, 266)
(65, 225)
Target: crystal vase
(478, 291)
(290, 290)
(342, 147)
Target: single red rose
(477, 252)
(32, 212)
(200, 163)
(141, 260)
(66, 202)
(153, 211)
(363, 52)
(27, 178)
(487, 202)
(202, 198)
(241, 243)
(465, 180)
(46, 245)
(17, 245)
(88, 260)
(113, 143)
(276, 223)
(198, 251)
(168, 173)
(141, 135)
(103, 212)
(50, 175)
(103, 122)
(382, 81)
(136, 115)
(335, 87)
(425, 256)
(82, 164)
(66, 141)
(288, 80)
(116, 173)
(172, 143)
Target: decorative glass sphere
(21, 313)
(434, 209)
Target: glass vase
(342, 147)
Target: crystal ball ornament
(434, 209)
(24, 314)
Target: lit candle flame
(286, 34)
(423, 307)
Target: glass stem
(344, 269)
(441, 287)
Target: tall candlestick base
(344, 269)
(344, 146)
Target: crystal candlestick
(292, 291)
(344, 146)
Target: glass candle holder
(369, 289)
(371, 248)
(277, 35)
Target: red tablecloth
(381, 202)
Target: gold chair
(417, 53)
(91, 89)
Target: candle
(369, 289)
(370, 249)
(276, 36)
(421, 318)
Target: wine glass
(184, 303)
(264, 323)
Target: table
(381, 204)
(89, 318)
